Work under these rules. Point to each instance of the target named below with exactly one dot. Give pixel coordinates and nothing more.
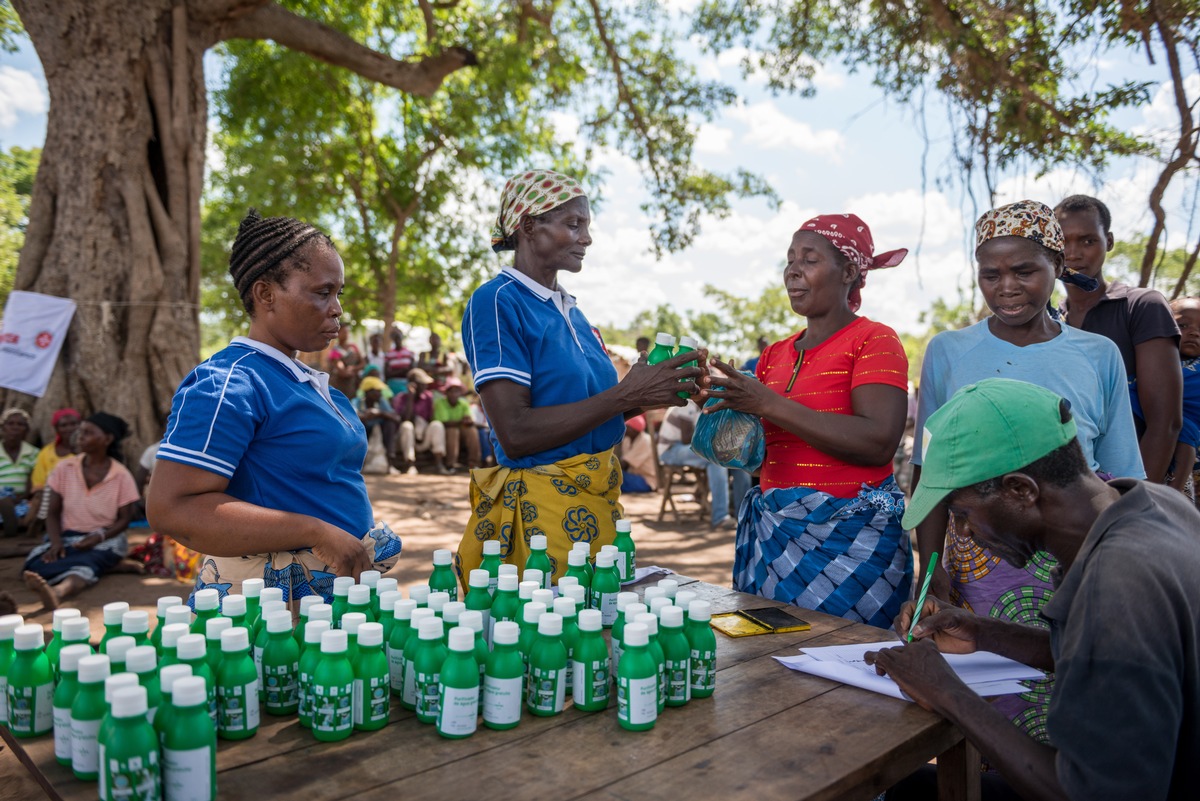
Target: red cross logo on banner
(44, 339)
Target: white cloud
(1160, 117)
(897, 218)
(20, 92)
(771, 129)
(713, 139)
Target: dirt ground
(428, 512)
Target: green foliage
(940, 316)
(11, 30)
(17, 169)
(1124, 264)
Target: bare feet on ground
(44, 591)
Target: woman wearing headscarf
(65, 423)
(91, 503)
(822, 530)
(548, 386)
(17, 458)
(259, 466)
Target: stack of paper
(984, 672)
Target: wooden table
(767, 733)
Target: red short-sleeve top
(864, 352)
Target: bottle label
(258, 652)
(370, 700)
(493, 583)
(637, 700)
(31, 709)
(502, 700)
(410, 682)
(428, 685)
(332, 707)
(679, 680)
(3, 698)
(396, 669)
(625, 568)
(62, 732)
(304, 696)
(281, 685)
(617, 650)
(547, 689)
(85, 751)
(591, 681)
(187, 774)
(704, 670)
(606, 602)
(237, 708)
(458, 708)
(137, 778)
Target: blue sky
(846, 149)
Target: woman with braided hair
(259, 466)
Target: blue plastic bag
(730, 438)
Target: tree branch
(419, 77)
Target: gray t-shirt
(1125, 634)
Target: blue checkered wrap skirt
(848, 557)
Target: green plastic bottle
(624, 599)
(112, 684)
(525, 591)
(75, 631)
(458, 687)
(664, 348)
(372, 700)
(451, 613)
(577, 568)
(270, 594)
(358, 601)
(234, 607)
(55, 645)
(683, 599)
(402, 612)
(565, 608)
(547, 668)
(420, 594)
(529, 623)
(306, 605)
(131, 767)
(64, 695)
(660, 660)
(605, 586)
(171, 633)
(502, 678)
(189, 747)
(387, 613)
(408, 697)
(350, 623)
(427, 668)
(590, 664)
(442, 579)
(258, 637)
(112, 623)
(191, 652)
(669, 586)
(237, 687)
(142, 661)
(506, 569)
(214, 627)
(678, 655)
(473, 620)
(687, 345)
(585, 548)
(576, 593)
(341, 598)
(437, 600)
(167, 676)
(162, 606)
(310, 657)
(87, 712)
(627, 558)
(281, 667)
(704, 648)
(535, 576)
(378, 602)
(370, 580)
(539, 560)
(252, 592)
(637, 682)
(8, 626)
(505, 605)
(207, 604)
(479, 596)
(320, 612)
(118, 651)
(491, 564)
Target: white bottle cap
(419, 593)
(635, 635)
(671, 617)
(633, 610)
(252, 588)
(77, 629)
(583, 547)
(189, 691)
(370, 634)
(387, 600)
(659, 604)
(525, 589)
(507, 570)
(191, 647)
(116, 682)
(606, 559)
(308, 602)
(171, 674)
(267, 607)
(114, 611)
(650, 593)
(233, 605)
(564, 606)
(491, 548)
(624, 525)
(505, 633)
(235, 639)
(614, 550)
(68, 657)
(8, 625)
(442, 556)
(566, 581)
(575, 558)
(462, 639)
(313, 630)
(386, 585)
(30, 637)
(437, 600)
(649, 621)
(172, 632)
(431, 628)
(166, 602)
(422, 613)
(543, 597)
(537, 542)
(117, 648)
(534, 575)
(471, 619)
(203, 600)
(670, 585)
(452, 611)
(590, 620)
(351, 621)
(577, 593)
(370, 578)
(359, 595)
(478, 578)
(550, 624)
(178, 614)
(93, 668)
(507, 583)
(342, 585)
(135, 622)
(271, 594)
(61, 616)
(689, 342)
(403, 608)
(279, 621)
(662, 338)
(214, 626)
(699, 610)
(532, 611)
(129, 702)
(683, 598)
(320, 611)
(334, 641)
(141, 659)
(625, 598)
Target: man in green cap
(1123, 633)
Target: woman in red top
(822, 530)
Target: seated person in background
(674, 441)
(345, 363)
(375, 412)
(435, 362)
(65, 423)
(453, 411)
(484, 429)
(418, 429)
(17, 458)
(637, 458)
(376, 356)
(1124, 624)
(396, 364)
(91, 503)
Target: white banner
(31, 336)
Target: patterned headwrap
(1034, 221)
(851, 236)
(535, 192)
(59, 415)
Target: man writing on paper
(1124, 622)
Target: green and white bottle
(402, 612)
(162, 606)
(310, 658)
(130, 766)
(142, 662)
(458, 699)
(341, 599)
(206, 603)
(479, 596)
(87, 713)
(427, 667)
(30, 685)
(64, 697)
(637, 682)
(490, 564)
(281, 667)
(565, 608)
(655, 648)
(55, 645)
(605, 586)
(76, 631)
(590, 664)
(333, 690)
(358, 600)
(169, 646)
(678, 655)
(233, 606)
(213, 629)
(442, 579)
(252, 591)
(189, 748)
(372, 697)
(191, 650)
(502, 678)
(627, 558)
(167, 677)
(703, 645)
(113, 613)
(547, 668)
(408, 697)
(538, 559)
(237, 687)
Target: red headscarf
(59, 415)
(850, 235)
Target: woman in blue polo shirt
(548, 387)
(259, 466)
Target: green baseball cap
(984, 431)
